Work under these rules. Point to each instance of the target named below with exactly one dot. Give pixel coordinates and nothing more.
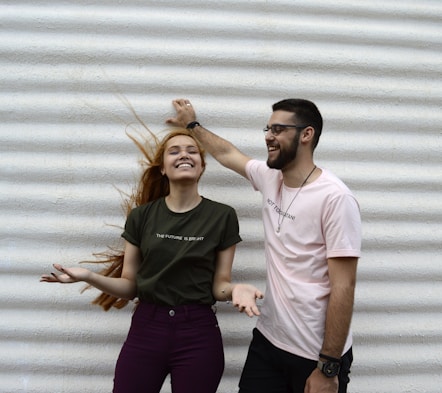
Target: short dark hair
(306, 113)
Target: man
(302, 341)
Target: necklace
(282, 216)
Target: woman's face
(182, 159)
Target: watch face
(331, 369)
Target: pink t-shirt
(322, 222)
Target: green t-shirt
(179, 249)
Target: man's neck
(300, 175)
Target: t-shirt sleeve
(231, 233)
(253, 173)
(343, 228)
(132, 228)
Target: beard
(285, 156)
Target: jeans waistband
(175, 313)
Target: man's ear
(308, 134)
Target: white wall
(373, 68)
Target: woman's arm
(243, 296)
(124, 287)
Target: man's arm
(222, 150)
(342, 275)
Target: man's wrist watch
(192, 125)
(330, 368)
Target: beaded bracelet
(224, 293)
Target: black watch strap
(332, 359)
(192, 125)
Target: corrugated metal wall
(373, 67)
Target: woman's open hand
(67, 275)
(244, 298)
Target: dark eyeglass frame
(276, 129)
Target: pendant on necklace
(278, 229)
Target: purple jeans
(183, 341)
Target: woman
(179, 249)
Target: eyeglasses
(276, 129)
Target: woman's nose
(184, 154)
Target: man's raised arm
(222, 150)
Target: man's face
(282, 148)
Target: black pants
(271, 370)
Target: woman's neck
(182, 201)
